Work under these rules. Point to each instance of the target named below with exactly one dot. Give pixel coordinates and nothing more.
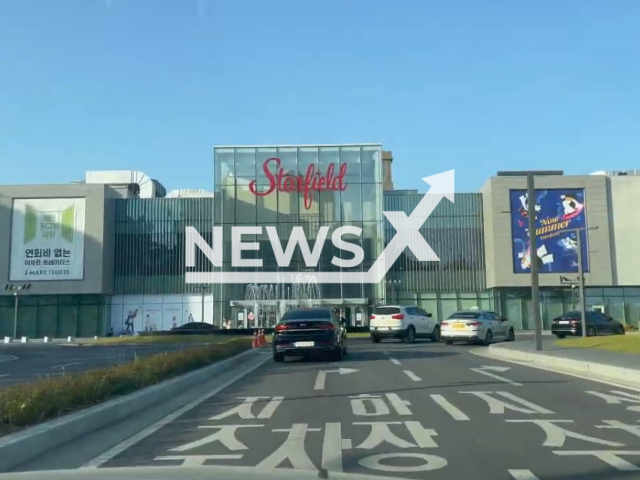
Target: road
(24, 363)
(412, 411)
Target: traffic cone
(261, 338)
(255, 339)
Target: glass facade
(265, 186)
(54, 315)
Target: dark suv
(597, 324)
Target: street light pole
(583, 313)
(15, 315)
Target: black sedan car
(305, 331)
(597, 324)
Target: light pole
(16, 291)
(202, 287)
(583, 309)
(533, 250)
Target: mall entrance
(267, 313)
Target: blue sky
(478, 86)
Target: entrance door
(347, 315)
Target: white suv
(404, 322)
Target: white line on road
(412, 376)
(322, 376)
(522, 475)
(65, 365)
(129, 442)
(5, 375)
(497, 377)
(393, 360)
(450, 408)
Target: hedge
(30, 403)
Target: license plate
(458, 325)
(564, 321)
(303, 344)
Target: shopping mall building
(86, 257)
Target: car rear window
(465, 315)
(386, 310)
(307, 314)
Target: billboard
(47, 239)
(557, 212)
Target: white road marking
(381, 433)
(618, 398)
(522, 475)
(483, 371)
(7, 358)
(401, 406)
(481, 353)
(395, 361)
(292, 449)
(332, 447)
(5, 375)
(422, 435)
(450, 408)
(359, 407)
(197, 460)
(412, 376)
(129, 442)
(65, 365)
(494, 368)
(322, 376)
(244, 409)
(607, 456)
(431, 462)
(556, 435)
(226, 435)
(498, 406)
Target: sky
(475, 86)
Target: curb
(21, 447)
(565, 365)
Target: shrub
(30, 403)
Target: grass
(27, 404)
(614, 343)
(161, 340)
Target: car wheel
(375, 339)
(512, 336)
(560, 335)
(488, 338)
(278, 357)
(591, 332)
(435, 336)
(410, 337)
(448, 342)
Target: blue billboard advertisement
(557, 212)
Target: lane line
(571, 374)
(129, 442)
(393, 360)
(412, 376)
(65, 365)
(522, 475)
(450, 408)
(5, 375)
(497, 377)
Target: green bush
(30, 403)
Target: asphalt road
(411, 411)
(23, 363)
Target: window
(307, 314)
(470, 315)
(386, 310)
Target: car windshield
(469, 315)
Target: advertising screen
(558, 211)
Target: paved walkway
(591, 355)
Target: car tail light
(474, 324)
(281, 327)
(444, 324)
(575, 320)
(372, 317)
(326, 326)
(398, 316)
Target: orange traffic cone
(261, 337)
(255, 339)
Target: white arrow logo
(486, 370)
(322, 376)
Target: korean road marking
(129, 442)
(292, 449)
(618, 397)
(375, 462)
(226, 435)
(484, 371)
(332, 447)
(556, 435)
(522, 475)
(378, 405)
(498, 406)
(243, 410)
(197, 460)
(381, 433)
(322, 376)
(412, 376)
(607, 456)
(395, 361)
(450, 408)
(632, 429)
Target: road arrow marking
(322, 376)
(483, 371)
